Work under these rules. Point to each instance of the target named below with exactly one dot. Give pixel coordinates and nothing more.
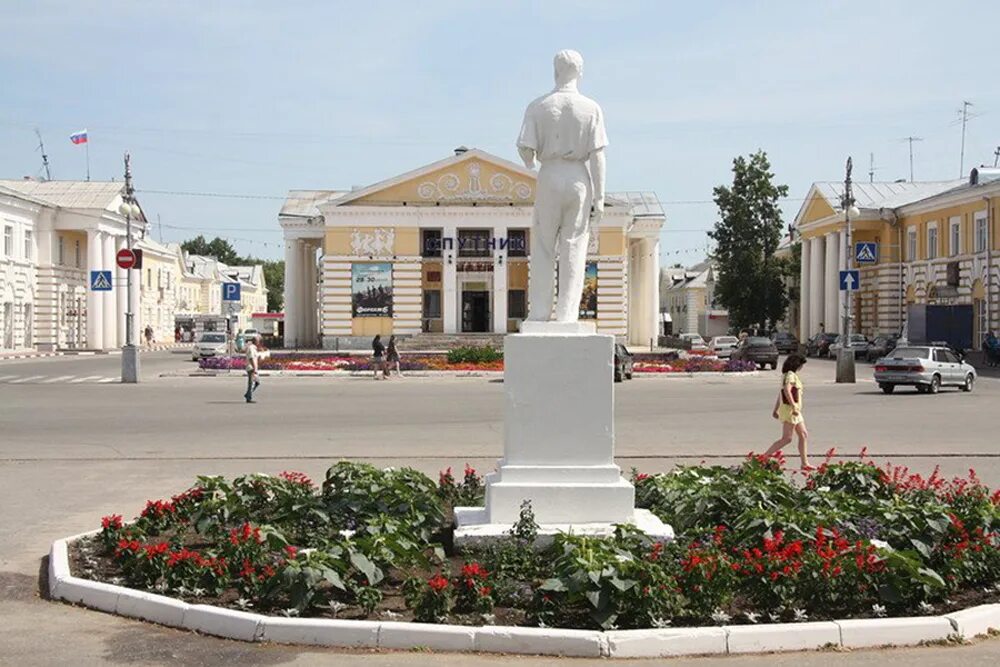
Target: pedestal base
(472, 531)
(845, 366)
(130, 364)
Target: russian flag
(79, 137)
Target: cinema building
(444, 249)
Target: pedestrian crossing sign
(866, 252)
(100, 281)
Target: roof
(641, 204)
(303, 202)
(886, 194)
(68, 194)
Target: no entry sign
(125, 258)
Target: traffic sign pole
(845, 356)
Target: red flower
(485, 591)
(437, 583)
(112, 521)
(291, 551)
(474, 571)
(295, 477)
(641, 477)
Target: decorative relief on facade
(450, 187)
(378, 242)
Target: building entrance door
(475, 311)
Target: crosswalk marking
(4, 378)
(30, 378)
(60, 378)
(107, 380)
(89, 378)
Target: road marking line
(61, 378)
(86, 379)
(107, 380)
(27, 379)
(4, 378)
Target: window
(955, 229)
(76, 253)
(517, 304)
(474, 243)
(8, 240)
(430, 242)
(62, 251)
(911, 245)
(517, 242)
(981, 231)
(432, 304)
(932, 242)
(981, 317)
(29, 245)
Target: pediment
(816, 207)
(472, 178)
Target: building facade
(445, 249)
(933, 243)
(688, 296)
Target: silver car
(928, 368)
(722, 346)
(209, 344)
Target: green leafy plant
(474, 355)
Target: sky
(225, 106)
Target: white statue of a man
(565, 131)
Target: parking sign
(230, 291)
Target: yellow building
(934, 243)
(444, 249)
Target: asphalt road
(72, 452)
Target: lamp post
(130, 209)
(845, 355)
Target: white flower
(948, 602)
(800, 615)
(774, 616)
(390, 615)
(926, 608)
(489, 619)
(661, 623)
(198, 592)
(292, 611)
(752, 616)
(243, 603)
(878, 610)
(881, 544)
(541, 624)
(336, 607)
(720, 617)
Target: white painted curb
(670, 642)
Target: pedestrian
(788, 410)
(378, 355)
(392, 358)
(149, 336)
(253, 356)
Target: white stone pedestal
(559, 440)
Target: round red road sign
(125, 258)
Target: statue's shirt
(563, 125)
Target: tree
(749, 280)
(219, 248)
(274, 278)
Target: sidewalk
(81, 352)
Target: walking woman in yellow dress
(788, 410)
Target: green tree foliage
(750, 282)
(222, 250)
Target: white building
(688, 297)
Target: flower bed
(853, 540)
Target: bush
(474, 355)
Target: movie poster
(371, 289)
(588, 300)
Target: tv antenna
(871, 167)
(964, 119)
(911, 140)
(45, 157)
(996, 156)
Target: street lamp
(845, 355)
(130, 209)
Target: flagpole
(88, 158)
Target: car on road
(696, 341)
(623, 363)
(722, 346)
(250, 333)
(880, 346)
(857, 343)
(926, 367)
(209, 344)
(786, 342)
(819, 345)
(757, 349)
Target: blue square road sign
(230, 291)
(850, 280)
(866, 252)
(100, 281)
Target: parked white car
(722, 346)
(209, 344)
(697, 342)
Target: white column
(805, 326)
(95, 300)
(293, 304)
(817, 278)
(121, 294)
(652, 284)
(110, 298)
(449, 281)
(832, 284)
(310, 294)
(500, 283)
(841, 265)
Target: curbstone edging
(93, 594)
(666, 642)
(152, 607)
(540, 641)
(394, 634)
(871, 632)
(228, 623)
(975, 621)
(58, 565)
(320, 632)
(781, 637)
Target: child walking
(788, 410)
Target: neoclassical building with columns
(935, 243)
(444, 249)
